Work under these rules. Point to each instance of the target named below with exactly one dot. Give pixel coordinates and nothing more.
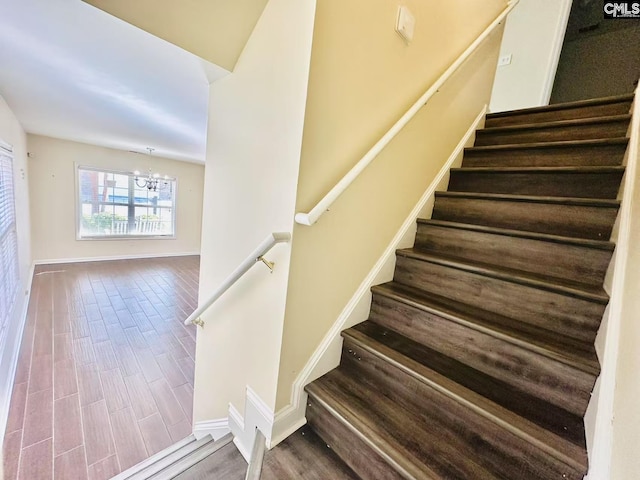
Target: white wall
(256, 119)
(533, 35)
(12, 133)
(53, 200)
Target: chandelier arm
(143, 185)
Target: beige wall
(11, 132)
(53, 201)
(363, 78)
(533, 35)
(253, 150)
(216, 30)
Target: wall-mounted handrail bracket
(256, 256)
(199, 322)
(269, 264)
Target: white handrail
(256, 256)
(323, 205)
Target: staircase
(477, 360)
(175, 460)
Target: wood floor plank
(36, 462)
(184, 394)
(140, 395)
(38, 422)
(80, 326)
(115, 391)
(84, 352)
(67, 427)
(130, 447)
(11, 454)
(70, 465)
(188, 367)
(97, 432)
(62, 347)
(127, 360)
(135, 338)
(41, 375)
(18, 404)
(171, 371)
(116, 335)
(105, 356)
(125, 318)
(154, 433)
(156, 344)
(98, 331)
(104, 469)
(180, 430)
(89, 385)
(64, 378)
(148, 365)
(167, 403)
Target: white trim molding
(56, 261)
(217, 428)
(327, 354)
(257, 414)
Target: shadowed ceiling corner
(215, 30)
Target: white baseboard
(55, 261)
(327, 354)
(257, 414)
(12, 363)
(216, 428)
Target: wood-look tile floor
(105, 374)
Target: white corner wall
(12, 133)
(534, 35)
(256, 118)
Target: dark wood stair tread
(592, 102)
(520, 334)
(565, 287)
(408, 356)
(586, 202)
(548, 145)
(555, 124)
(304, 455)
(533, 170)
(395, 436)
(580, 242)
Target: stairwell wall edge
(601, 409)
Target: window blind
(9, 277)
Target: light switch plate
(406, 23)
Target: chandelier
(152, 180)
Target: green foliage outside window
(99, 222)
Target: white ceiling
(71, 71)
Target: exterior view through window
(119, 204)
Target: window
(9, 277)
(113, 204)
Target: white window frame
(78, 202)
(9, 272)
